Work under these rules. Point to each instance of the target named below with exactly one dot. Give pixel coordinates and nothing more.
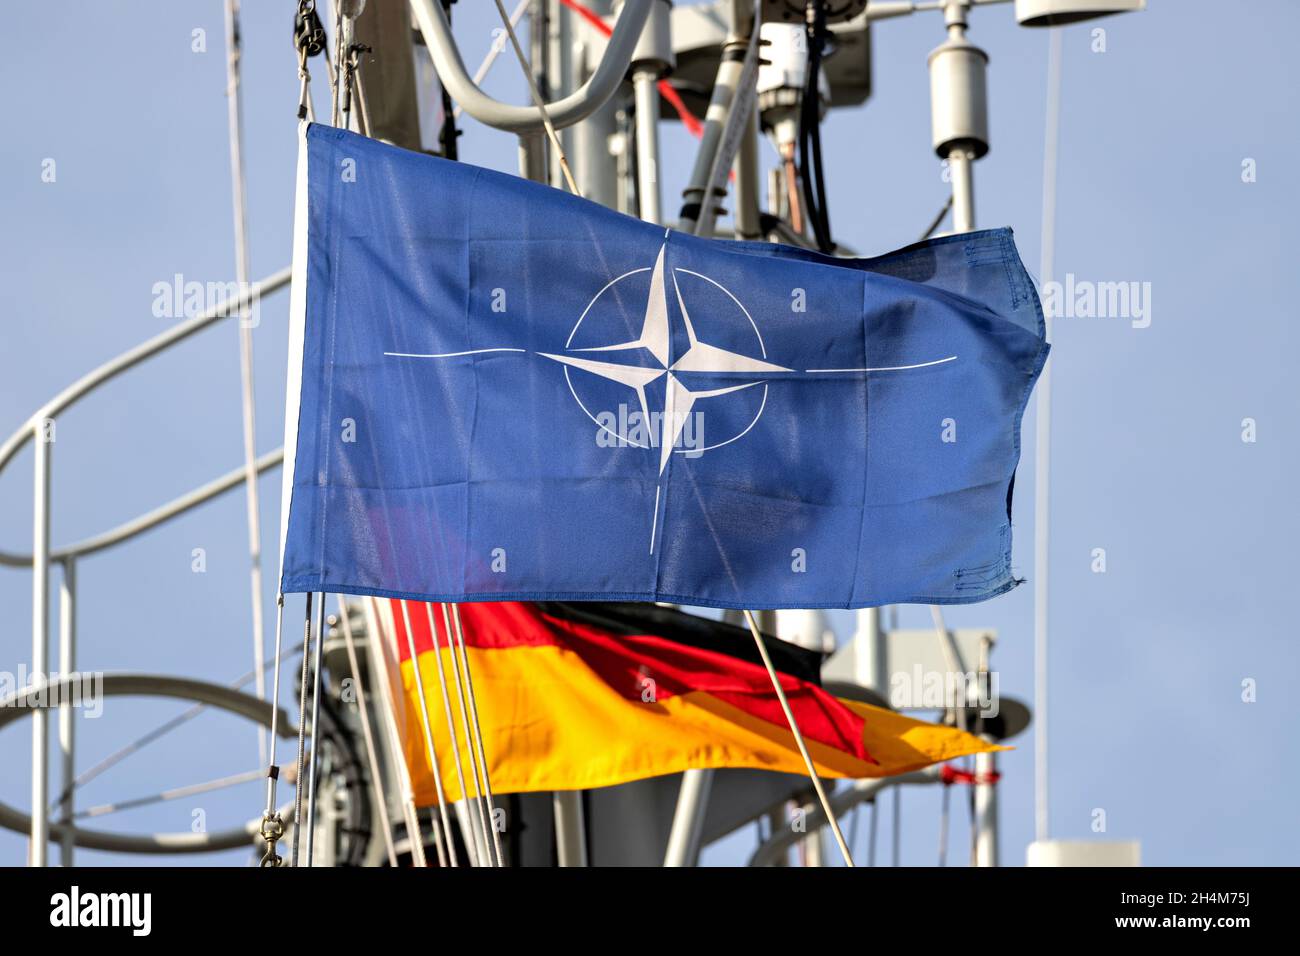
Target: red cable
(665, 88)
(949, 774)
(589, 15)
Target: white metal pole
(41, 446)
(67, 722)
(871, 661)
(688, 819)
(1042, 444)
(646, 91)
(749, 177)
(985, 794)
(986, 810)
(961, 166)
(570, 828)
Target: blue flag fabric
(510, 393)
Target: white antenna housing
(1055, 13)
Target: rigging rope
(798, 739)
(460, 673)
(387, 714)
(478, 734)
(272, 823)
(234, 115)
(302, 731)
(493, 52)
(446, 709)
(478, 813)
(317, 673)
(371, 757)
(428, 742)
(149, 737)
(537, 99)
(175, 793)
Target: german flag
(575, 696)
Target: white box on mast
(1084, 853)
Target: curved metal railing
(38, 429)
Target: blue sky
(1199, 527)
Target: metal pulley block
(308, 31)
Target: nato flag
(499, 391)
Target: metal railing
(39, 429)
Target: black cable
(934, 224)
(810, 144)
(806, 122)
(448, 135)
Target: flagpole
(798, 739)
(1043, 445)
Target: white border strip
(297, 325)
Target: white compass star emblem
(655, 338)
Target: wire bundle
(810, 141)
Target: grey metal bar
(726, 89)
(151, 519)
(40, 823)
(688, 819)
(67, 722)
(748, 179)
(164, 340)
(21, 704)
(533, 150)
(841, 802)
(593, 94)
(570, 828)
(961, 165)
